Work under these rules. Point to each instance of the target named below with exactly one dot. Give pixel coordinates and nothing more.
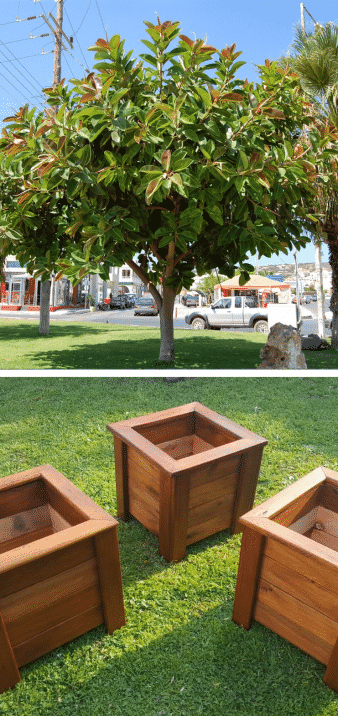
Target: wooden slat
(303, 505)
(300, 586)
(24, 576)
(25, 523)
(28, 626)
(182, 447)
(121, 477)
(212, 433)
(247, 577)
(108, 564)
(58, 635)
(74, 497)
(322, 573)
(212, 490)
(143, 471)
(215, 524)
(331, 673)
(304, 524)
(48, 592)
(139, 495)
(173, 517)
(324, 538)
(9, 672)
(221, 508)
(298, 612)
(282, 500)
(144, 511)
(64, 507)
(162, 430)
(58, 522)
(22, 498)
(152, 418)
(287, 629)
(226, 467)
(327, 520)
(246, 486)
(25, 538)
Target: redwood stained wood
(23, 497)
(183, 468)
(247, 577)
(53, 589)
(287, 629)
(246, 486)
(331, 673)
(121, 476)
(108, 565)
(9, 672)
(56, 636)
(297, 588)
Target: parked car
(130, 300)
(191, 301)
(145, 306)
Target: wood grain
(9, 672)
(247, 577)
(109, 570)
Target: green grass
(179, 654)
(90, 346)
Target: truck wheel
(198, 324)
(261, 327)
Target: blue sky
(260, 30)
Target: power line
(73, 31)
(83, 19)
(27, 56)
(33, 17)
(28, 38)
(25, 78)
(97, 5)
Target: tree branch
(143, 276)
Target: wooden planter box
(59, 567)
(185, 474)
(288, 570)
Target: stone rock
(313, 342)
(283, 350)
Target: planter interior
(288, 571)
(185, 473)
(59, 567)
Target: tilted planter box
(59, 567)
(288, 570)
(185, 474)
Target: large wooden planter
(288, 570)
(59, 567)
(185, 474)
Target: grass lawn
(179, 654)
(91, 346)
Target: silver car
(145, 306)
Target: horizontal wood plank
(212, 490)
(58, 635)
(58, 522)
(25, 523)
(212, 432)
(323, 574)
(182, 447)
(300, 586)
(324, 538)
(217, 523)
(298, 612)
(283, 500)
(24, 497)
(164, 429)
(143, 472)
(25, 538)
(24, 576)
(227, 467)
(203, 512)
(303, 505)
(287, 629)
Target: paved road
(126, 317)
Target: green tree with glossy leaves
(172, 165)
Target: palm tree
(314, 56)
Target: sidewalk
(36, 314)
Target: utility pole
(302, 17)
(57, 51)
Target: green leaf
(215, 213)
(191, 134)
(151, 188)
(204, 95)
(115, 98)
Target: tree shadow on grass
(195, 352)
(24, 331)
(208, 665)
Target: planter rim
(261, 520)
(96, 519)
(126, 430)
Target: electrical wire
(83, 19)
(73, 31)
(20, 63)
(27, 56)
(97, 5)
(27, 38)
(9, 82)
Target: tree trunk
(332, 240)
(167, 351)
(44, 308)
(319, 287)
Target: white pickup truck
(234, 311)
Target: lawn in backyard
(92, 346)
(179, 653)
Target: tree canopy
(169, 163)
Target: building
(264, 289)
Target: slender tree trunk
(44, 308)
(167, 352)
(332, 240)
(319, 286)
